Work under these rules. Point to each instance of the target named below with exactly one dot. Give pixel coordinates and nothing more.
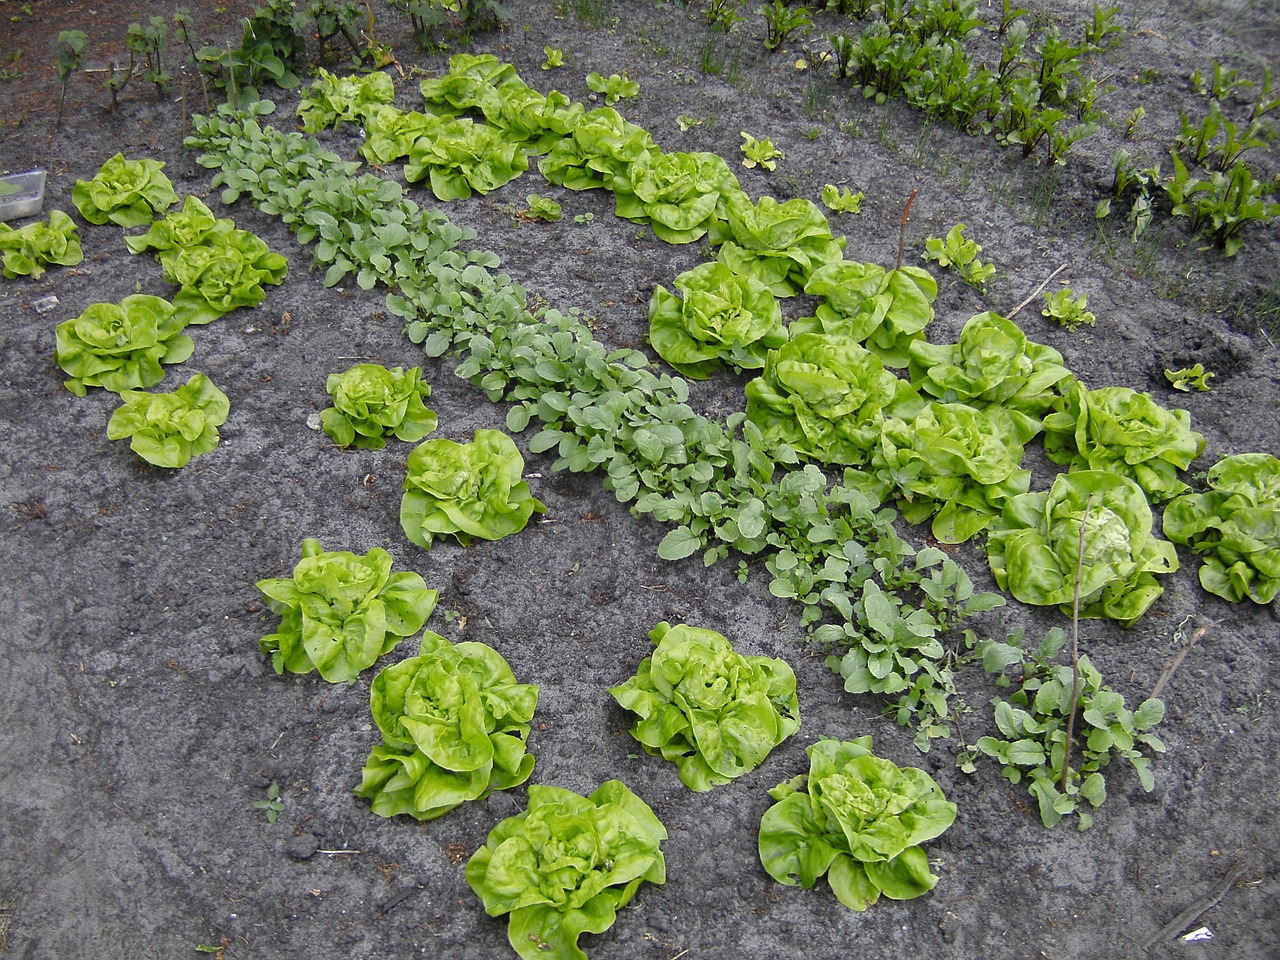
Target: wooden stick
(1035, 293)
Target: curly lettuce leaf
(1034, 548)
(827, 397)
(460, 157)
(193, 225)
(680, 195)
(29, 250)
(713, 711)
(1235, 527)
(340, 612)
(1120, 430)
(331, 99)
(225, 272)
(993, 363)
(371, 402)
(780, 244)
(860, 820)
(598, 152)
(121, 346)
(887, 311)
(168, 429)
(566, 865)
(723, 317)
(454, 723)
(468, 491)
(127, 193)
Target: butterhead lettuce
(566, 865)
(454, 724)
(168, 429)
(371, 402)
(127, 193)
(860, 820)
(340, 612)
(713, 711)
(121, 346)
(28, 250)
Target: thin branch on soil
(1167, 673)
(1075, 648)
(1194, 912)
(902, 230)
(1035, 293)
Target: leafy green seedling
(1190, 378)
(554, 58)
(688, 121)
(541, 208)
(782, 21)
(960, 253)
(70, 57)
(273, 806)
(760, 152)
(842, 199)
(615, 87)
(584, 218)
(1068, 309)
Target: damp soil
(140, 724)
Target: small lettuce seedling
(371, 403)
(960, 253)
(340, 612)
(168, 429)
(842, 199)
(1068, 309)
(29, 250)
(553, 58)
(760, 152)
(713, 711)
(615, 87)
(467, 491)
(541, 208)
(567, 865)
(128, 193)
(454, 724)
(860, 820)
(1190, 378)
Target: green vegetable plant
(272, 50)
(29, 250)
(857, 818)
(462, 156)
(541, 208)
(713, 711)
(615, 87)
(225, 271)
(1234, 526)
(1068, 309)
(271, 807)
(841, 199)
(70, 57)
(782, 21)
(723, 15)
(1034, 724)
(331, 100)
(371, 403)
(340, 612)
(723, 318)
(467, 491)
(1119, 430)
(566, 866)
(179, 230)
(960, 253)
(168, 429)
(128, 193)
(887, 310)
(1035, 547)
(146, 42)
(454, 722)
(122, 346)
(552, 58)
(682, 196)
(760, 152)
(1190, 378)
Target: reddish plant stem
(902, 230)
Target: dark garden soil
(139, 724)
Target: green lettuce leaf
(223, 273)
(454, 725)
(886, 311)
(1034, 548)
(714, 712)
(1235, 527)
(780, 244)
(827, 397)
(193, 225)
(29, 250)
(168, 429)
(1120, 430)
(121, 346)
(127, 193)
(680, 195)
(599, 152)
(466, 490)
(566, 865)
(340, 612)
(460, 156)
(372, 402)
(331, 99)
(860, 820)
(723, 317)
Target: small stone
(301, 847)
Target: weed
(273, 806)
(782, 21)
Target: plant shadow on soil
(141, 725)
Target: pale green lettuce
(680, 195)
(29, 250)
(224, 272)
(887, 311)
(331, 99)
(127, 193)
(1235, 527)
(566, 865)
(460, 156)
(780, 244)
(340, 612)
(714, 712)
(860, 820)
(1035, 547)
(371, 402)
(598, 152)
(122, 346)
(193, 225)
(454, 723)
(168, 429)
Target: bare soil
(139, 724)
